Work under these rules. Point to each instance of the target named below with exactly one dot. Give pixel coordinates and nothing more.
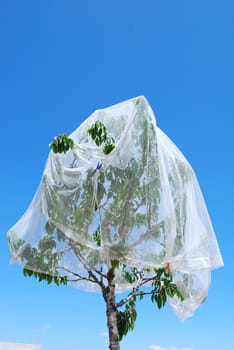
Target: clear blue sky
(61, 60)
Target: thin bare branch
(88, 268)
(134, 293)
(79, 277)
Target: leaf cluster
(163, 287)
(99, 135)
(58, 280)
(131, 274)
(126, 319)
(61, 144)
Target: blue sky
(61, 60)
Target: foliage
(40, 276)
(99, 135)
(62, 144)
(126, 319)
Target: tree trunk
(111, 311)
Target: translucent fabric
(141, 205)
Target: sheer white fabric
(141, 205)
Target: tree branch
(134, 293)
(91, 271)
(79, 277)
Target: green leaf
(49, 279)
(49, 228)
(115, 264)
(109, 145)
(57, 280)
(42, 276)
(159, 301)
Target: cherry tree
(119, 209)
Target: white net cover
(141, 205)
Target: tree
(120, 201)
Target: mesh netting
(141, 205)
